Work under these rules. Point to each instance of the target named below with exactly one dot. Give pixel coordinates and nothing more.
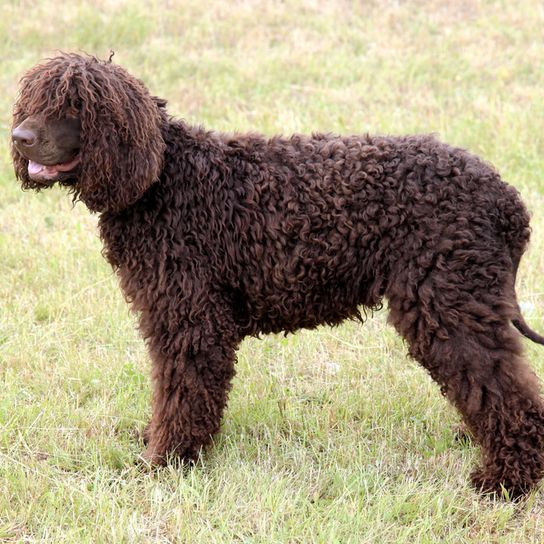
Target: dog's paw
(152, 458)
(495, 486)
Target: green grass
(330, 436)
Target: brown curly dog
(216, 237)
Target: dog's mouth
(49, 173)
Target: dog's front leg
(192, 370)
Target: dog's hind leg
(456, 317)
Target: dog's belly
(297, 314)
(283, 300)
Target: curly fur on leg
(465, 340)
(191, 377)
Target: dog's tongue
(34, 169)
(48, 171)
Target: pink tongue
(34, 168)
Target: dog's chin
(38, 183)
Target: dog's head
(88, 124)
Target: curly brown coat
(216, 237)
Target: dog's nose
(23, 137)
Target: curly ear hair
(122, 148)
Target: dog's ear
(122, 148)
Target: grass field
(331, 436)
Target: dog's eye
(74, 108)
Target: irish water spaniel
(219, 236)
